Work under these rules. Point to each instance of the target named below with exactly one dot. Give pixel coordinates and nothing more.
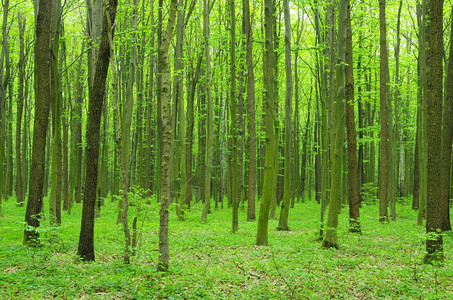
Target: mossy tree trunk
(337, 134)
(271, 139)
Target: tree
(235, 195)
(383, 88)
(165, 134)
(86, 238)
(210, 124)
(353, 172)
(447, 137)
(20, 107)
(283, 221)
(271, 139)
(434, 244)
(337, 133)
(251, 113)
(42, 108)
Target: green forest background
(176, 136)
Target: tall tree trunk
(398, 123)
(271, 139)
(42, 108)
(55, 189)
(149, 109)
(20, 105)
(283, 220)
(125, 204)
(447, 137)
(251, 113)
(337, 134)
(179, 95)
(384, 148)
(434, 244)
(422, 106)
(128, 108)
(210, 122)
(353, 172)
(165, 118)
(234, 126)
(86, 239)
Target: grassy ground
(210, 262)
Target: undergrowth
(208, 261)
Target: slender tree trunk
(337, 134)
(86, 239)
(125, 206)
(251, 113)
(165, 118)
(149, 109)
(20, 105)
(283, 221)
(128, 108)
(447, 137)
(210, 122)
(422, 106)
(353, 172)
(42, 108)
(434, 243)
(190, 125)
(234, 120)
(179, 95)
(271, 139)
(55, 189)
(384, 148)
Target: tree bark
(234, 126)
(42, 108)
(283, 220)
(353, 172)
(86, 239)
(210, 121)
(384, 148)
(165, 133)
(434, 245)
(271, 140)
(337, 134)
(251, 113)
(20, 105)
(447, 137)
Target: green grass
(210, 262)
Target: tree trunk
(20, 105)
(210, 122)
(234, 120)
(271, 139)
(353, 172)
(251, 113)
(283, 220)
(165, 119)
(42, 108)
(337, 134)
(434, 245)
(86, 239)
(447, 137)
(384, 148)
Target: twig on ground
(249, 273)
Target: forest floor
(208, 261)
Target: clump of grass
(209, 261)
